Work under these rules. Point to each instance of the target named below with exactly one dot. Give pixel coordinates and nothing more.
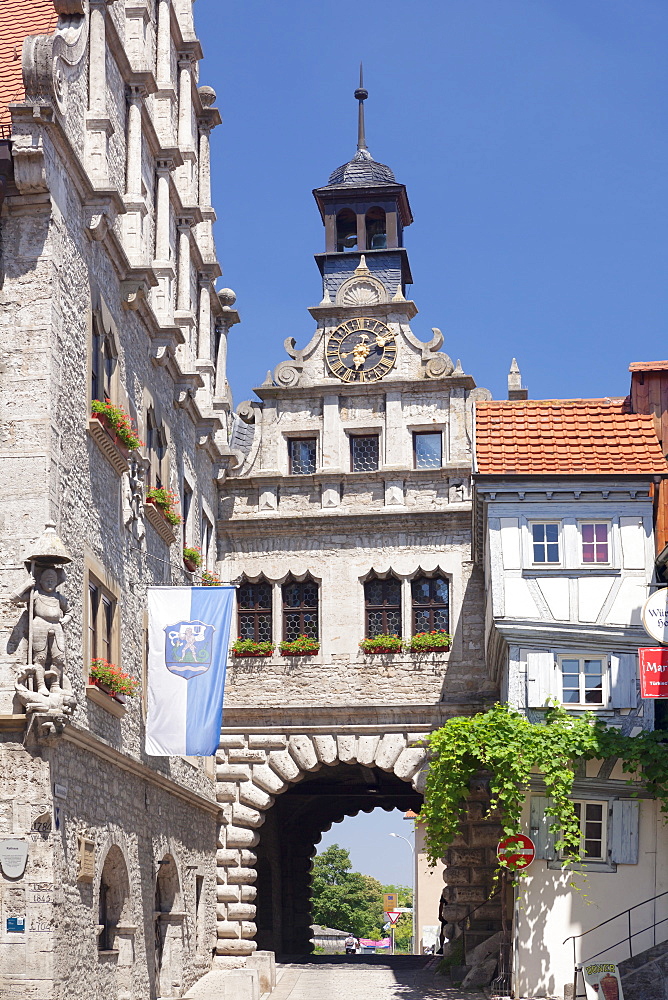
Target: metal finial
(361, 95)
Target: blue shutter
(541, 824)
(540, 677)
(624, 833)
(623, 674)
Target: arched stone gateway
(358, 771)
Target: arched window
(254, 611)
(114, 899)
(346, 230)
(382, 601)
(376, 229)
(300, 609)
(156, 444)
(431, 604)
(103, 363)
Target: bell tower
(365, 212)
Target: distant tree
(403, 929)
(342, 898)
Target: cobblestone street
(399, 978)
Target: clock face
(361, 350)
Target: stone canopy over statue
(42, 685)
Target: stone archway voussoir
(389, 749)
(409, 762)
(302, 750)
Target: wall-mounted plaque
(16, 925)
(13, 857)
(86, 872)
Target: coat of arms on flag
(188, 648)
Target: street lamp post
(407, 841)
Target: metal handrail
(462, 920)
(629, 935)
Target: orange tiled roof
(565, 437)
(20, 18)
(648, 366)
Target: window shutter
(624, 840)
(623, 673)
(540, 677)
(541, 824)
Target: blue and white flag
(189, 632)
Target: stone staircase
(645, 976)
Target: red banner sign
(654, 672)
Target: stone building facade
(107, 291)
(348, 516)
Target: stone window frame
(302, 436)
(158, 466)
(435, 427)
(256, 611)
(100, 320)
(292, 578)
(208, 548)
(352, 435)
(374, 576)
(96, 574)
(436, 432)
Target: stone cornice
(389, 384)
(405, 309)
(385, 518)
(93, 744)
(326, 477)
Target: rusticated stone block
(248, 931)
(245, 816)
(268, 742)
(466, 858)
(248, 859)
(475, 810)
(284, 765)
(238, 836)
(228, 893)
(226, 946)
(241, 876)
(241, 911)
(248, 893)
(366, 749)
(232, 772)
(326, 749)
(251, 795)
(487, 835)
(388, 751)
(268, 779)
(467, 894)
(347, 748)
(482, 876)
(303, 751)
(233, 740)
(227, 858)
(226, 791)
(246, 756)
(227, 929)
(457, 876)
(408, 762)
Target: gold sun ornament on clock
(361, 350)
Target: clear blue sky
(531, 134)
(372, 850)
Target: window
(156, 444)
(364, 453)
(582, 680)
(186, 506)
(545, 540)
(376, 229)
(592, 817)
(382, 600)
(346, 230)
(300, 609)
(101, 610)
(302, 455)
(430, 604)
(595, 545)
(254, 611)
(103, 363)
(427, 450)
(207, 538)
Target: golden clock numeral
(348, 375)
(362, 376)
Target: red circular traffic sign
(516, 852)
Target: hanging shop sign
(653, 672)
(655, 615)
(516, 852)
(602, 981)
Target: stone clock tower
(348, 517)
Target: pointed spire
(515, 390)
(361, 95)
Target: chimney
(515, 390)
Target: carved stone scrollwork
(288, 373)
(50, 61)
(133, 293)
(28, 157)
(98, 225)
(436, 365)
(162, 353)
(184, 395)
(246, 412)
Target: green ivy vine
(509, 746)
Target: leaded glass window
(427, 450)
(364, 453)
(300, 609)
(302, 454)
(431, 600)
(382, 599)
(254, 611)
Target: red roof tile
(20, 18)
(565, 437)
(648, 366)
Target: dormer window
(346, 230)
(376, 229)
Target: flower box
(157, 520)
(192, 558)
(382, 644)
(111, 679)
(303, 646)
(120, 698)
(249, 647)
(117, 422)
(209, 580)
(429, 642)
